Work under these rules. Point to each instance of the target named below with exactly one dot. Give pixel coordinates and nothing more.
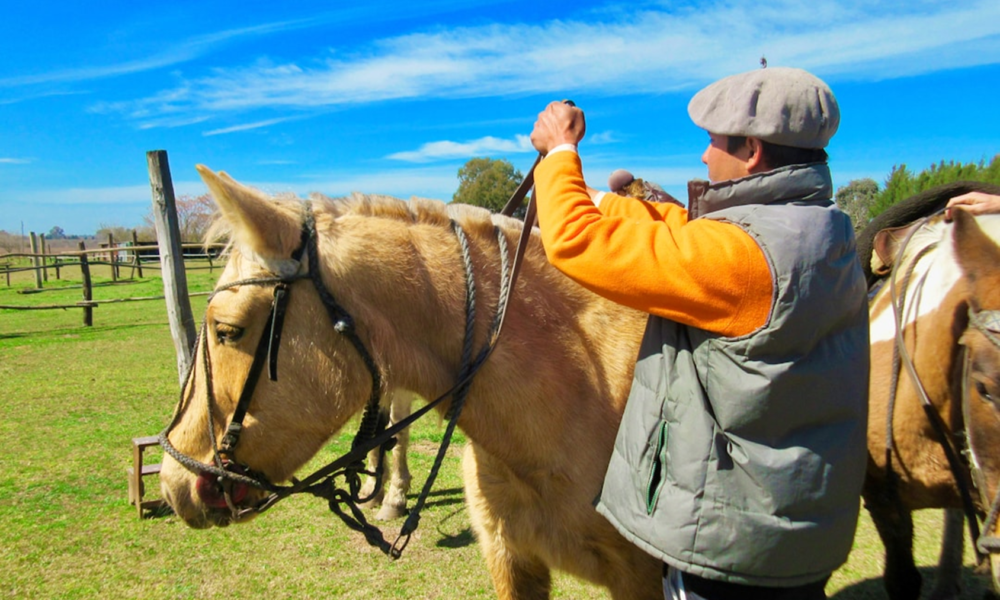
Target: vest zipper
(655, 483)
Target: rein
(374, 431)
(960, 469)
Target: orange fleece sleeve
(704, 273)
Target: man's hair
(777, 156)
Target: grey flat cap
(780, 105)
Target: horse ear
(977, 254)
(259, 224)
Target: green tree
(118, 233)
(487, 182)
(856, 199)
(899, 185)
(902, 183)
(56, 233)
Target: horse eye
(983, 392)
(227, 333)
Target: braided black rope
(468, 367)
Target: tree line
(863, 199)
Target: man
(741, 453)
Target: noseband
(374, 431)
(225, 468)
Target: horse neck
(404, 282)
(564, 359)
(933, 305)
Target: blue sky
(393, 97)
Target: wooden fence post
(45, 260)
(88, 310)
(34, 260)
(135, 255)
(168, 238)
(112, 257)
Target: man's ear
(755, 159)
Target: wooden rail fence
(117, 258)
(168, 250)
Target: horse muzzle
(213, 491)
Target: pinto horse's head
(321, 381)
(979, 257)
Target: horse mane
(473, 219)
(909, 210)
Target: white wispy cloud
(613, 51)
(601, 137)
(91, 195)
(430, 182)
(245, 126)
(485, 146)
(170, 122)
(182, 51)
(14, 161)
(447, 149)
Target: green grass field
(71, 399)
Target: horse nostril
(211, 492)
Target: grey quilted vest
(741, 459)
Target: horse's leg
(645, 585)
(516, 575)
(948, 583)
(373, 463)
(368, 488)
(895, 526)
(394, 501)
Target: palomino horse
(541, 415)
(940, 316)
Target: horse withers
(541, 415)
(935, 350)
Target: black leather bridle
(373, 431)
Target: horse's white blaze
(930, 283)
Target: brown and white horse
(941, 322)
(541, 415)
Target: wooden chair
(136, 487)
